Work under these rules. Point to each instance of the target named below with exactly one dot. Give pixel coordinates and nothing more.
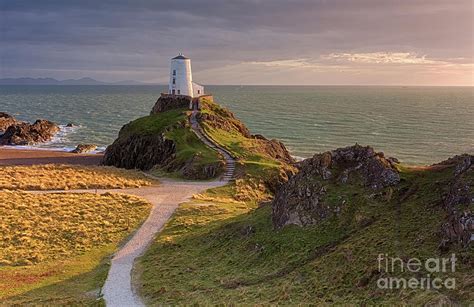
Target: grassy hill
(165, 144)
(222, 248)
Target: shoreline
(10, 156)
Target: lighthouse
(181, 78)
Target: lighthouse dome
(180, 57)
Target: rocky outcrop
(302, 200)
(166, 103)
(28, 134)
(195, 169)
(276, 150)
(147, 151)
(457, 196)
(83, 148)
(6, 121)
(140, 152)
(225, 120)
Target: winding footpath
(229, 159)
(165, 198)
(118, 289)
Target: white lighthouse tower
(181, 78)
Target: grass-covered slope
(219, 250)
(54, 248)
(259, 160)
(164, 142)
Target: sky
(274, 42)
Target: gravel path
(165, 198)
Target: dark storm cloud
(141, 35)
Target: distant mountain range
(51, 81)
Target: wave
(64, 149)
(60, 138)
(298, 158)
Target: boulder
(6, 121)
(83, 148)
(166, 103)
(27, 134)
(457, 196)
(302, 200)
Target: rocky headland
(153, 142)
(164, 140)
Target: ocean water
(418, 125)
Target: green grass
(188, 146)
(154, 124)
(74, 281)
(254, 162)
(215, 251)
(54, 248)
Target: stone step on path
(229, 159)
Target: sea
(417, 125)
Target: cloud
(298, 63)
(393, 68)
(382, 58)
(347, 60)
(124, 36)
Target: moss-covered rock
(303, 199)
(457, 196)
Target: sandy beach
(13, 156)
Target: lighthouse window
(174, 81)
(174, 72)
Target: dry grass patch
(36, 228)
(66, 177)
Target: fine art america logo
(427, 280)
